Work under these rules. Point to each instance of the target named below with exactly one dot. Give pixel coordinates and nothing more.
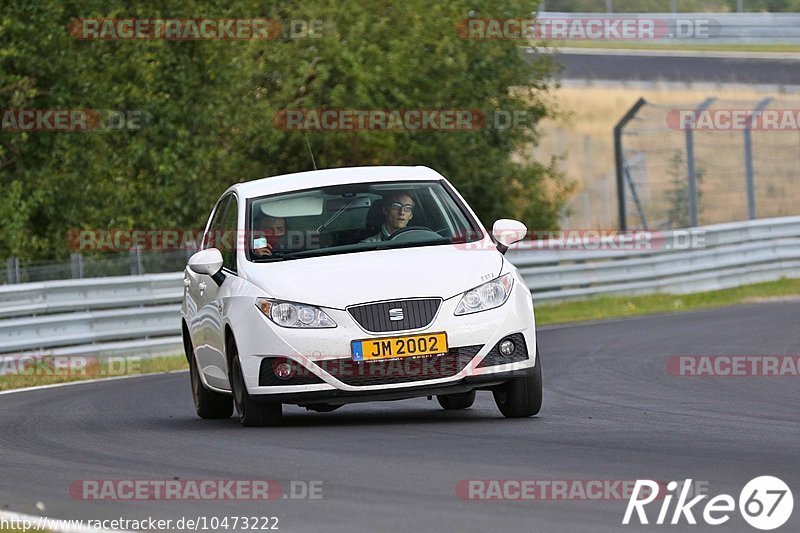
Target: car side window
(212, 236)
(229, 227)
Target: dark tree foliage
(212, 106)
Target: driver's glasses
(405, 208)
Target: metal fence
(729, 255)
(133, 262)
(140, 314)
(97, 316)
(698, 163)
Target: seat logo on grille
(396, 314)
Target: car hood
(338, 281)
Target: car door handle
(202, 287)
(186, 282)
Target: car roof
(333, 176)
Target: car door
(203, 296)
(214, 299)
(192, 280)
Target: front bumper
(340, 397)
(324, 356)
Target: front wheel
(521, 397)
(251, 413)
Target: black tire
(208, 404)
(452, 402)
(251, 413)
(521, 397)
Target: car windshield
(354, 218)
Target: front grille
(494, 357)
(302, 376)
(416, 314)
(406, 370)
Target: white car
(349, 285)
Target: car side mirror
(506, 232)
(208, 262)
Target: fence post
(690, 166)
(76, 265)
(636, 201)
(12, 270)
(136, 261)
(620, 161)
(748, 159)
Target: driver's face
(398, 213)
(274, 227)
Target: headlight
(294, 315)
(487, 296)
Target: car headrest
(375, 216)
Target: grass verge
(65, 369)
(625, 306)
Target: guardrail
(140, 314)
(730, 255)
(100, 316)
(686, 28)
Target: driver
(398, 212)
(273, 235)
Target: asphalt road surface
(611, 412)
(710, 69)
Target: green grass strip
(624, 306)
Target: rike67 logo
(765, 503)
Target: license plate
(396, 347)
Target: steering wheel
(444, 232)
(409, 229)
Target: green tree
(212, 107)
